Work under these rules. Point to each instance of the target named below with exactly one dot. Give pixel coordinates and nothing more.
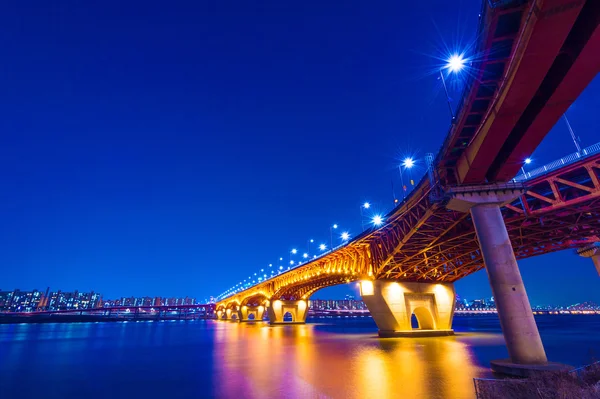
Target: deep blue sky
(172, 148)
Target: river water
(325, 358)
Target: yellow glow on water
(259, 361)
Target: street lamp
(322, 247)
(335, 226)
(345, 236)
(527, 162)
(377, 220)
(407, 163)
(366, 205)
(455, 64)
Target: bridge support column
(525, 348)
(592, 251)
(251, 313)
(393, 303)
(278, 310)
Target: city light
(305, 255)
(294, 251)
(408, 163)
(291, 262)
(456, 62)
(345, 236)
(377, 220)
(366, 205)
(528, 161)
(335, 226)
(322, 247)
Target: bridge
(470, 212)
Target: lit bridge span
(468, 213)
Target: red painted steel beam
(583, 70)
(546, 27)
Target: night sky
(173, 148)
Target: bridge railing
(586, 152)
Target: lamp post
(407, 163)
(345, 237)
(294, 251)
(454, 64)
(335, 226)
(366, 205)
(527, 162)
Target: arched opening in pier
(414, 322)
(251, 316)
(288, 317)
(234, 316)
(423, 318)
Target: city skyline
(128, 181)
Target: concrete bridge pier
(295, 310)
(392, 304)
(251, 313)
(231, 314)
(525, 348)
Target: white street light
(456, 62)
(377, 220)
(322, 247)
(345, 236)
(408, 162)
(335, 226)
(527, 162)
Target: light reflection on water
(328, 358)
(300, 361)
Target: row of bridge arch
(392, 304)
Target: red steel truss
(423, 241)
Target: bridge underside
(534, 59)
(433, 244)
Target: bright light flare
(305, 255)
(456, 62)
(294, 251)
(366, 205)
(408, 163)
(377, 220)
(528, 161)
(345, 236)
(322, 247)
